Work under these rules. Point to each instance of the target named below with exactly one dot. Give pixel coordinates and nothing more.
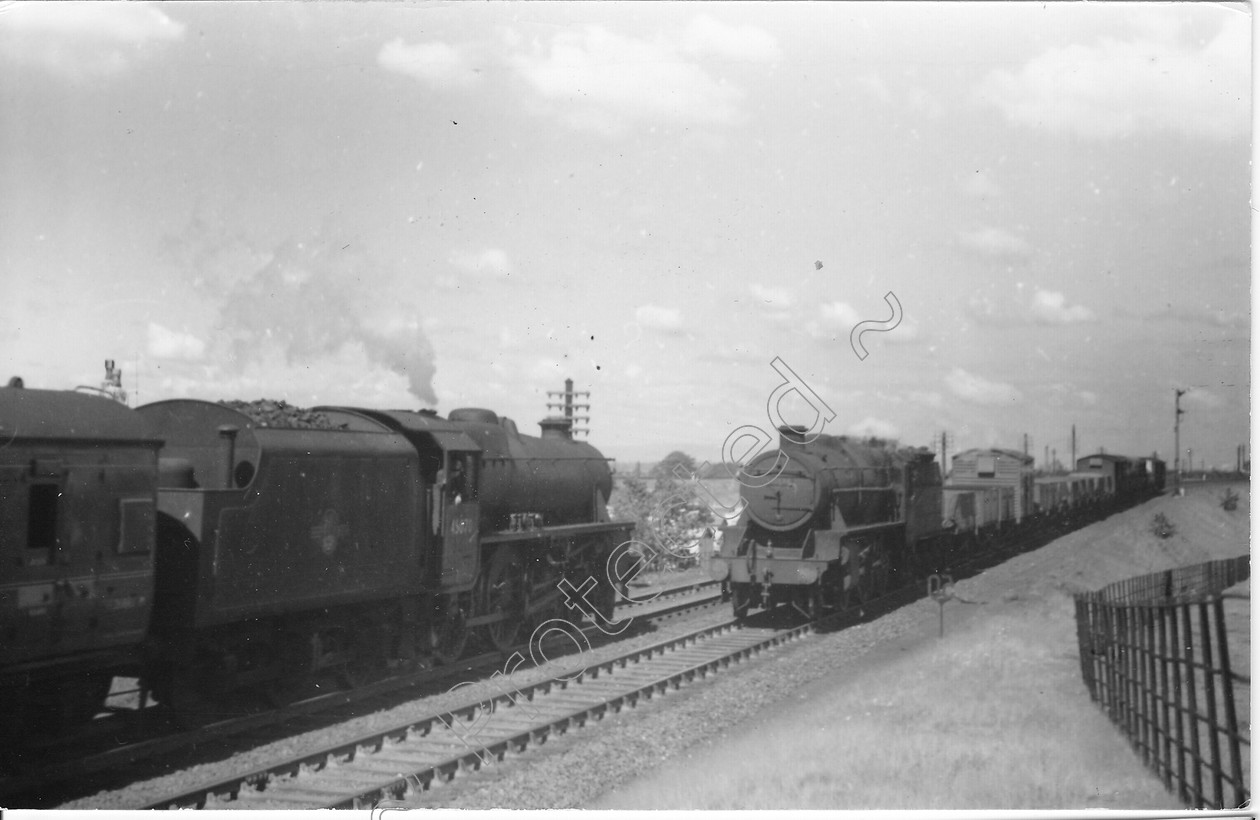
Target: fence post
(1209, 695)
(1165, 717)
(1193, 701)
(1179, 667)
(1152, 684)
(1231, 714)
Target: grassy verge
(991, 715)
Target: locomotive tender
(204, 551)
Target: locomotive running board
(558, 531)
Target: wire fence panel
(1155, 655)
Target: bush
(669, 517)
(1162, 527)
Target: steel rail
(671, 602)
(362, 771)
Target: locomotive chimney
(227, 434)
(792, 435)
(557, 427)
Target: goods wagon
(996, 468)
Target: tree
(665, 468)
(670, 517)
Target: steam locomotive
(831, 522)
(205, 550)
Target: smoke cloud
(311, 301)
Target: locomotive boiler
(829, 522)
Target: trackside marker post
(941, 588)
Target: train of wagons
(207, 549)
(830, 522)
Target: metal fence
(1155, 655)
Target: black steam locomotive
(831, 522)
(205, 550)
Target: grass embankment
(993, 715)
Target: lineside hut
(996, 468)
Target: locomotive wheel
(741, 599)
(293, 670)
(503, 593)
(864, 571)
(814, 601)
(449, 636)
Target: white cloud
(707, 36)
(1050, 307)
(1202, 397)
(840, 315)
(1058, 394)
(436, 64)
(1117, 88)
(546, 370)
(978, 390)
(490, 263)
(981, 185)
(1012, 309)
(871, 426)
(929, 398)
(995, 243)
(776, 298)
(603, 81)
(873, 86)
(598, 80)
(1206, 315)
(80, 40)
(164, 343)
(659, 318)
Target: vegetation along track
(148, 748)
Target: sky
(448, 205)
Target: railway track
(389, 765)
(405, 760)
(127, 757)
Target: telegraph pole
(568, 405)
(1177, 440)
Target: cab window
(41, 521)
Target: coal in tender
(278, 413)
